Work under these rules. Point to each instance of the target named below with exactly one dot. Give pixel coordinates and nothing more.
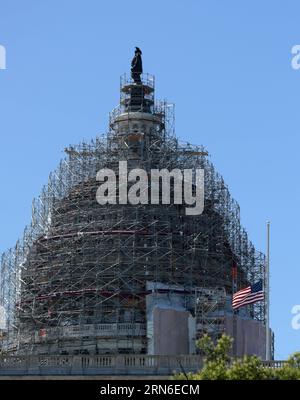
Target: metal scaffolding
(76, 281)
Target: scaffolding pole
(267, 295)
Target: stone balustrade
(99, 330)
(105, 364)
(99, 365)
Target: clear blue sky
(225, 64)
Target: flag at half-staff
(248, 295)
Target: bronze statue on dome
(137, 66)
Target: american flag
(249, 295)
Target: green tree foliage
(218, 365)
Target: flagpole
(234, 316)
(267, 295)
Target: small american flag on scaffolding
(249, 295)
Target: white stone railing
(105, 365)
(101, 365)
(99, 330)
(274, 363)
